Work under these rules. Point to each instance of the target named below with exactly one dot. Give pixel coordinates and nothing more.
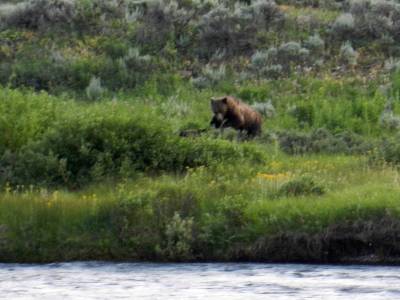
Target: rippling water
(97, 280)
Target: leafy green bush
(51, 71)
(85, 144)
(303, 113)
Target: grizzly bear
(230, 112)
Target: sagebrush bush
(234, 29)
(218, 31)
(343, 26)
(265, 63)
(316, 45)
(94, 90)
(266, 109)
(210, 77)
(260, 59)
(392, 65)
(289, 50)
(323, 141)
(278, 62)
(265, 13)
(368, 19)
(160, 22)
(348, 55)
(40, 14)
(179, 235)
(389, 121)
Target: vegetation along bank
(95, 96)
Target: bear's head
(219, 105)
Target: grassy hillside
(94, 96)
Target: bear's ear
(225, 100)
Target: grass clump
(304, 185)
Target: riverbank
(310, 209)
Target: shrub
(265, 13)
(389, 121)
(303, 113)
(374, 18)
(94, 90)
(131, 70)
(316, 45)
(42, 14)
(260, 59)
(389, 150)
(368, 19)
(289, 51)
(42, 69)
(277, 62)
(179, 236)
(51, 71)
(234, 29)
(348, 55)
(322, 141)
(304, 185)
(160, 22)
(75, 145)
(392, 65)
(265, 108)
(273, 71)
(343, 26)
(218, 31)
(200, 82)
(265, 63)
(210, 77)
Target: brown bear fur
(230, 112)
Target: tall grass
(201, 215)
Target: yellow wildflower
(273, 177)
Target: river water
(101, 280)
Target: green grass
(137, 219)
